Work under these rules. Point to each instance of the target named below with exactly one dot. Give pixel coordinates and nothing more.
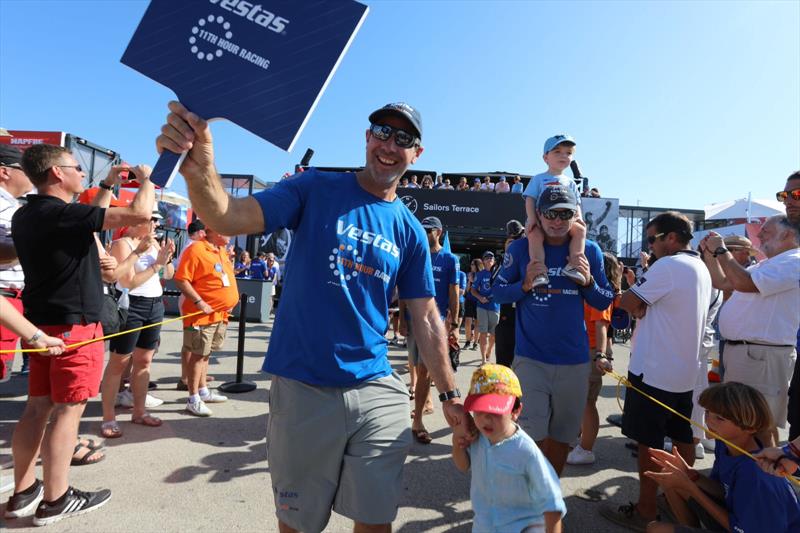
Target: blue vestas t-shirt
(349, 251)
(257, 269)
(550, 326)
(462, 285)
(483, 284)
(445, 273)
(756, 501)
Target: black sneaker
(182, 386)
(73, 503)
(466, 346)
(21, 505)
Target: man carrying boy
(558, 152)
(671, 302)
(552, 349)
(513, 486)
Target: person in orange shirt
(206, 279)
(597, 323)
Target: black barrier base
(236, 388)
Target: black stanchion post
(239, 386)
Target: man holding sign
(339, 429)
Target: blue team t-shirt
(445, 273)
(462, 285)
(550, 326)
(257, 269)
(756, 501)
(483, 284)
(349, 251)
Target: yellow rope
(90, 341)
(622, 380)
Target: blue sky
(673, 104)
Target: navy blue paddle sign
(262, 66)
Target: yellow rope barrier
(622, 380)
(90, 341)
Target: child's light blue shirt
(513, 484)
(540, 181)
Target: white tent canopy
(744, 208)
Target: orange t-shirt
(592, 316)
(208, 269)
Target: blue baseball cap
(555, 140)
(557, 197)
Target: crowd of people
(504, 184)
(339, 430)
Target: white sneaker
(699, 452)
(540, 280)
(125, 399)
(572, 273)
(214, 397)
(579, 456)
(198, 408)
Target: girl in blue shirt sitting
(737, 495)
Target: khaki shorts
(595, 382)
(768, 369)
(202, 340)
(337, 448)
(553, 398)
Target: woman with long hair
(470, 307)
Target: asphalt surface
(212, 474)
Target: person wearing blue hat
(339, 430)
(558, 152)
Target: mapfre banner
(25, 139)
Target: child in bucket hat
(513, 486)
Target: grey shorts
(553, 398)
(767, 369)
(487, 320)
(337, 448)
(411, 346)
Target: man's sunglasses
(12, 165)
(564, 214)
(402, 138)
(783, 195)
(652, 238)
(76, 167)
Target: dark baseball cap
(557, 197)
(488, 254)
(432, 223)
(402, 110)
(9, 156)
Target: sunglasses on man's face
(782, 196)
(563, 214)
(652, 238)
(402, 138)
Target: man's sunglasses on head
(563, 214)
(402, 138)
(783, 195)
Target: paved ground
(212, 474)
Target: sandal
(428, 410)
(147, 420)
(90, 443)
(111, 430)
(422, 436)
(86, 459)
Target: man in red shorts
(55, 243)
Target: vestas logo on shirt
(367, 237)
(254, 13)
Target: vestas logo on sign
(367, 237)
(410, 202)
(254, 13)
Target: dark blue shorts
(143, 311)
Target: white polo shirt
(771, 315)
(666, 342)
(11, 275)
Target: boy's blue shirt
(462, 285)
(756, 501)
(550, 326)
(483, 284)
(349, 251)
(512, 485)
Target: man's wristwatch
(449, 395)
(454, 324)
(720, 251)
(103, 185)
(36, 336)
